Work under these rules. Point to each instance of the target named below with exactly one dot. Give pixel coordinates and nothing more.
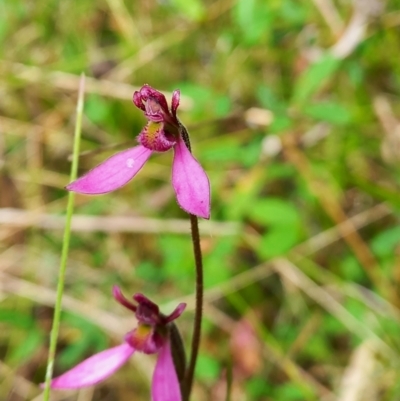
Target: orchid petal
(190, 182)
(176, 95)
(165, 384)
(113, 173)
(176, 313)
(94, 369)
(119, 297)
(137, 100)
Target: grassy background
(293, 110)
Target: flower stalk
(198, 314)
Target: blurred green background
(293, 108)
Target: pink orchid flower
(162, 132)
(152, 336)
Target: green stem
(65, 246)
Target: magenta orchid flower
(152, 336)
(162, 132)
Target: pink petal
(176, 313)
(165, 384)
(119, 297)
(113, 173)
(190, 182)
(94, 369)
(175, 101)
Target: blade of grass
(66, 241)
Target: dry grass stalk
(111, 224)
(357, 382)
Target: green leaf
(177, 260)
(91, 339)
(226, 149)
(222, 105)
(147, 271)
(4, 27)
(207, 102)
(16, 318)
(291, 392)
(282, 222)
(74, 353)
(207, 368)
(314, 77)
(385, 243)
(350, 269)
(216, 271)
(97, 109)
(279, 124)
(257, 388)
(355, 72)
(192, 9)
(281, 121)
(330, 112)
(250, 154)
(27, 347)
(293, 12)
(254, 19)
(270, 100)
(317, 348)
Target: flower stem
(198, 313)
(65, 246)
(199, 306)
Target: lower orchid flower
(154, 335)
(163, 132)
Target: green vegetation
(293, 109)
